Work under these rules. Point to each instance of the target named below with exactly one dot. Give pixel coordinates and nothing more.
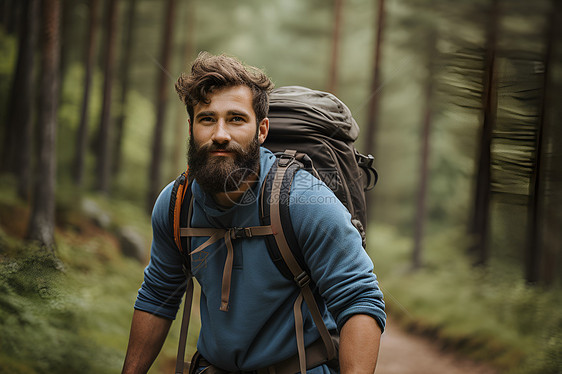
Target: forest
(458, 102)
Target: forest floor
(405, 353)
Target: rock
(132, 243)
(100, 217)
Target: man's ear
(263, 130)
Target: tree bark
(125, 75)
(42, 222)
(82, 133)
(163, 89)
(334, 58)
(104, 135)
(479, 226)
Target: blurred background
(458, 101)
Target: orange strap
(182, 188)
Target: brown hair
(210, 73)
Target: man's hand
(359, 345)
(148, 333)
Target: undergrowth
(489, 314)
(70, 311)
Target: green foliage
(72, 313)
(42, 325)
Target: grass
(490, 314)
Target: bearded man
(249, 328)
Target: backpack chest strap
(229, 235)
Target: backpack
(309, 130)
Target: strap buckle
(369, 173)
(240, 232)
(287, 157)
(302, 280)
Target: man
(250, 326)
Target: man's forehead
(227, 99)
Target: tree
(374, 98)
(104, 135)
(178, 154)
(479, 224)
(163, 89)
(540, 264)
(10, 15)
(421, 200)
(125, 74)
(333, 78)
(20, 118)
(42, 221)
(82, 133)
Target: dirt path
(401, 353)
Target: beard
(222, 173)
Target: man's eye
(237, 119)
(206, 119)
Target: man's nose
(221, 134)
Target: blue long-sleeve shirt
(258, 329)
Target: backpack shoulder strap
(267, 200)
(278, 197)
(180, 358)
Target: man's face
(225, 140)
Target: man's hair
(210, 73)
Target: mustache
(228, 147)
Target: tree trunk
(5, 14)
(125, 74)
(22, 99)
(163, 89)
(18, 95)
(374, 99)
(67, 26)
(23, 107)
(373, 109)
(42, 222)
(481, 211)
(536, 268)
(421, 201)
(12, 16)
(333, 78)
(181, 128)
(104, 135)
(82, 134)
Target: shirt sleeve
(164, 279)
(333, 251)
